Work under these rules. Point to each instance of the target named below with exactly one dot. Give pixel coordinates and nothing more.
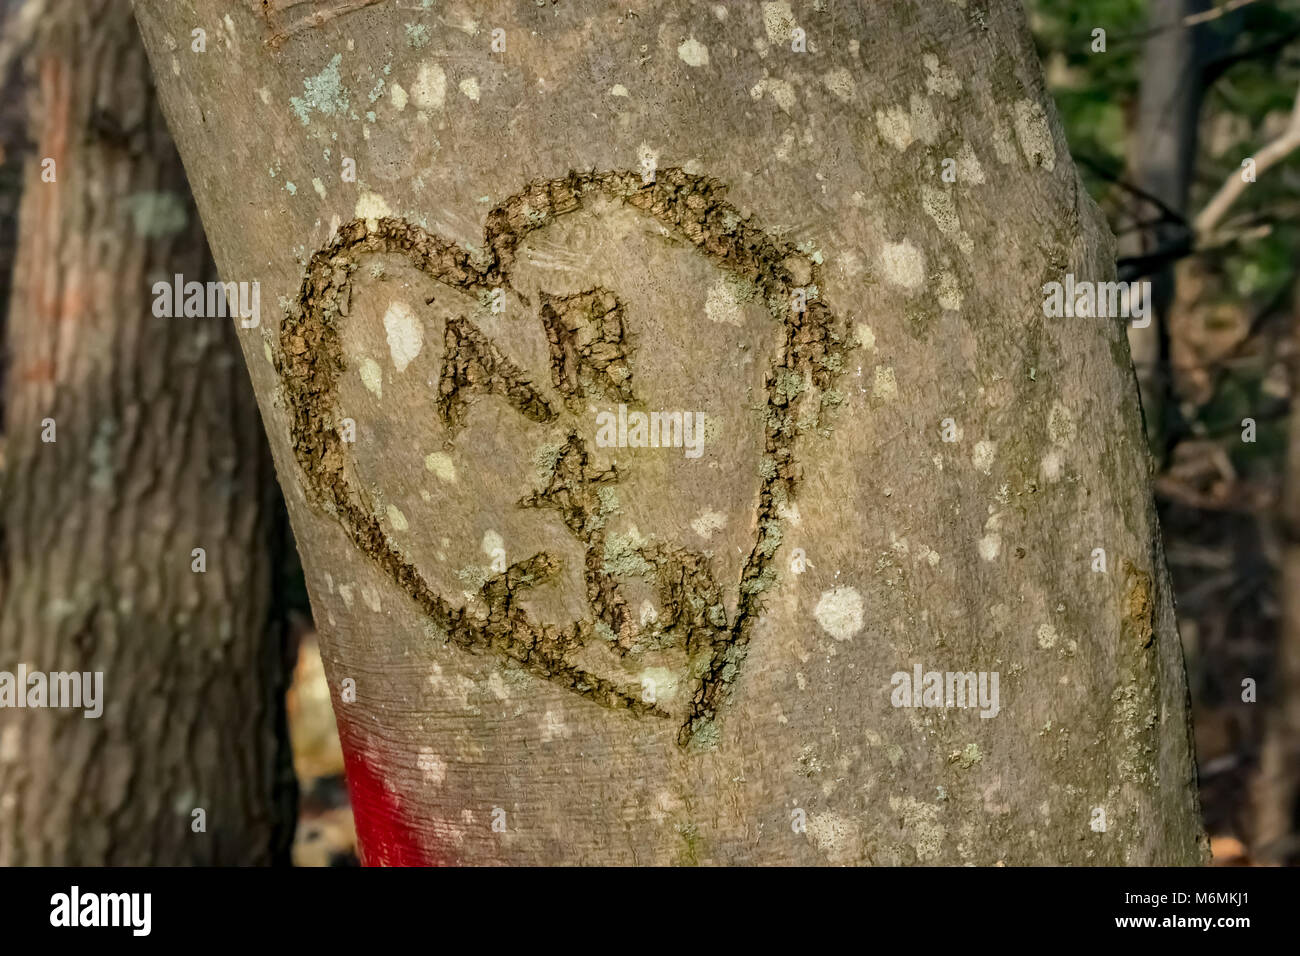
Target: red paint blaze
(384, 838)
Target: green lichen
(417, 35)
(623, 556)
(789, 384)
(771, 538)
(544, 459)
(473, 577)
(760, 582)
(323, 93)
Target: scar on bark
(589, 351)
(588, 344)
(472, 363)
(321, 12)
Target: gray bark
(158, 450)
(517, 697)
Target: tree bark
(1276, 787)
(566, 652)
(158, 450)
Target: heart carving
(591, 357)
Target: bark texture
(566, 652)
(158, 450)
(1276, 788)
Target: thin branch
(1235, 184)
(1214, 14)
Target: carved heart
(586, 335)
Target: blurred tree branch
(1281, 147)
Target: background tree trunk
(556, 661)
(159, 450)
(1276, 788)
(1163, 161)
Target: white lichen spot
(431, 766)
(618, 89)
(925, 126)
(345, 592)
(441, 465)
(647, 158)
(778, 22)
(1052, 465)
(865, 337)
(469, 87)
(371, 207)
(721, 305)
(939, 206)
(941, 79)
(398, 95)
(786, 147)
(1003, 148)
(265, 95)
(895, 126)
(948, 291)
(429, 91)
(783, 96)
(969, 169)
(840, 83)
(903, 264)
(921, 821)
(836, 836)
(10, 743)
(405, 334)
(985, 452)
(708, 523)
(1060, 425)
(492, 543)
(497, 686)
(319, 186)
(1047, 637)
(839, 612)
(782, 93)
(693, 53)
(990, 546)
(1035, 135)
(884, 385)
(397, 519)
(372, 376)
(553, 727)
(370, 594)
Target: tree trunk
(158, 450)
(1276, 788)
(566, 651)
(1163, 160)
